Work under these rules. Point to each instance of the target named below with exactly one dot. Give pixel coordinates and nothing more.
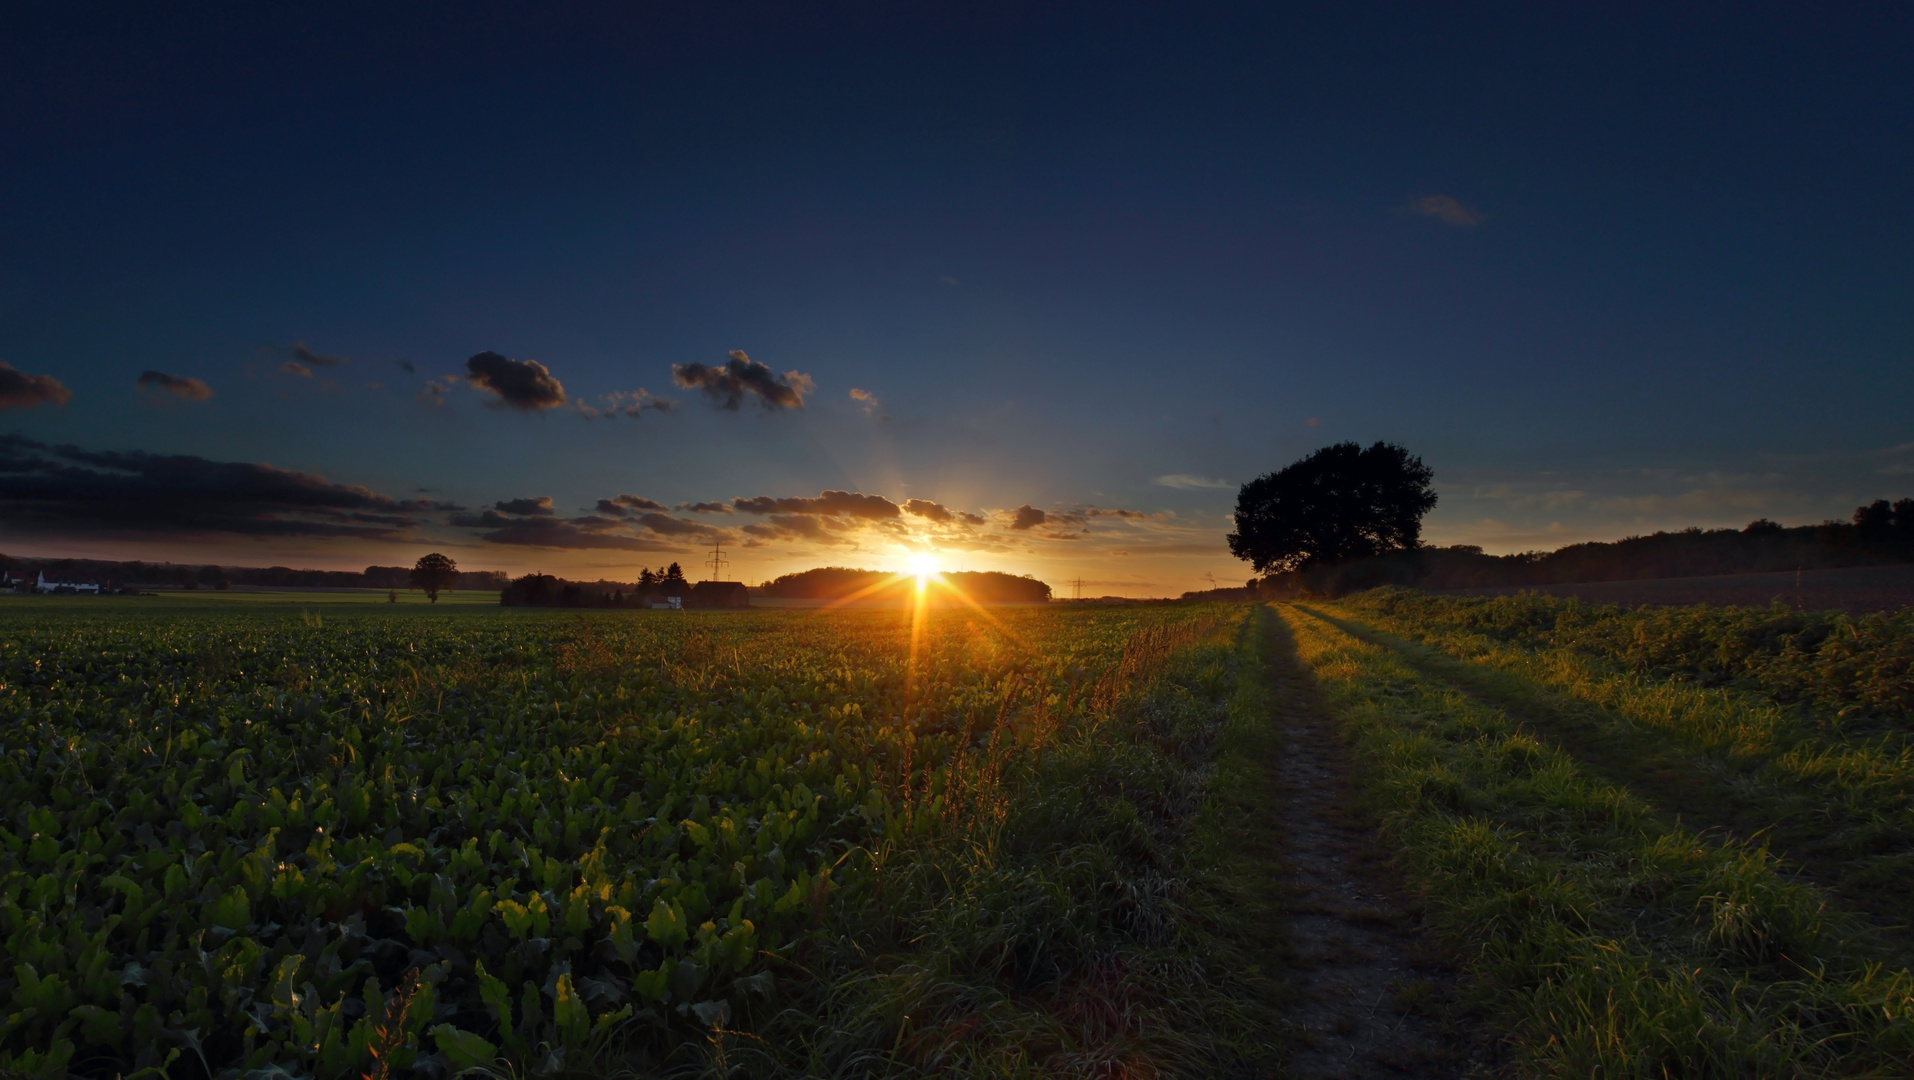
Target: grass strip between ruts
(1841, 805)
(1616, 944)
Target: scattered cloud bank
(526, 385)
(159, 382)
(19, 390)
(294, 367)
(1191, 482)
(68, 490)
(866, 400)
(1446, 209)
(830, 503)
(727, 384)
(624, 523)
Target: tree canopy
(434, 572)
(1341, 502)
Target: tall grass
(1068, 912)
(1616, 944)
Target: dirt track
(1371, 998)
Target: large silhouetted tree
(434, 572)
(1341, 502)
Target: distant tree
(392, 596)
(646, 579)
(1763, 527)
(434, 572)
(673, 573)
(1341, 502)
(1877, 516)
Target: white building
(45, 586)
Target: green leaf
(667, 924)
(569, 1013)
(464, 1049)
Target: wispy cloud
(177, 385)
(1191, 482)
(1446, 209)
(316, 359)
(866, 400)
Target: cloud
(1024, 518)
(829, 503)
(68, 490)
(866, 399)
(18, 390)
(622, 505)
(294, 367)
(1189, 482)
(312, 359)
(727, 384)
(1097, 512)
(705, 507)
(571, 534)
(632, 403)
(1446, 209)
(928, 510)
(521, 384)
(176, 385)
(406, 366)
(531, 523)
(540, 506)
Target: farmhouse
(45, 586)
(718, 594)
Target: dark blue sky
(1606, 270)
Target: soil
(1372, 999)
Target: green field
(241, 833)
(268, 836)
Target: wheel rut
(1371, 997)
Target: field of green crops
(1668, 842)
(281, 841)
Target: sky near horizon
(1032, 286)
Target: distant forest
(1879, 533)
(211, 576)
(838, 583)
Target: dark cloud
(622, 505)
(572, 533)
(68, 490)
(1025, 517)
(792, 527)
(294, 367)
(929, 511)
(405, 366)
(176, 385)
(538, 506)
(19, 390)
(728, 383)
(531, 523)
(312, 359)
(1130, 514)
(705, 507)
(521, 384)
(666, 525)
(829, 503)
(971, 519)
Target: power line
(717, 562)
(1076, 589)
